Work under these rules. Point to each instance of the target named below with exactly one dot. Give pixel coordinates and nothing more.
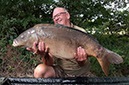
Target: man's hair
(62, 8)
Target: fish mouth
(15, 43)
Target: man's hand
(80, 56)
(41, 50)
(47, 58)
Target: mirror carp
(63, 42)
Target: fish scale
(63, 42)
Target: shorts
(60, 73)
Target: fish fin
(109, 58)
(104, 65)
(113, 58)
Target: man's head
(61, 16)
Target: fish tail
(105, 64)
(109, 58)
(113, 58)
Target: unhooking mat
(66, 81)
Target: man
(79, 66)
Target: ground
(13, 64)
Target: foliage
(90, 13)
(19, 15)
(118, 45)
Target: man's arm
(47, 58)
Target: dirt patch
(14, 66)
(14, 63)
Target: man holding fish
(79, 66)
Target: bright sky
(126, 8)
(119, 9)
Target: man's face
(60, 16)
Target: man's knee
(43, 71)
(40, 70)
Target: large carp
(63, 42)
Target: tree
(19, 15)
(96, 13)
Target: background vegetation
(108, 24)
